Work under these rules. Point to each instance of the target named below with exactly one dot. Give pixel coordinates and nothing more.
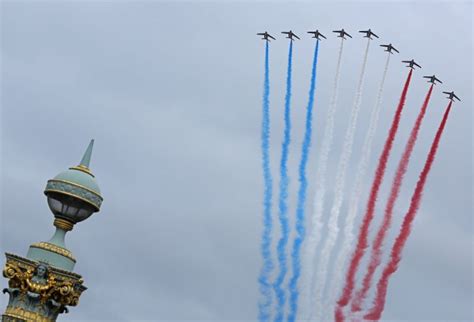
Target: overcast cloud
(172, 94)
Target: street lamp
(43, 284)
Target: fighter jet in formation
(316, 34)
(290, 34)
(433, 79)
(368, 34)
(451, 96)
(389, 48)
(411, 63)
(342, 33)
(266, 36)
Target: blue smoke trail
(300, 210)
(283, 196)
(265, 287)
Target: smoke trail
(300, 210)
(348, 234)
(376, 252)
(282, 204)
(316, 220)
(364, 229)
(333, 229)
(397, 248)
(265, 287)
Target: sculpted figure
(38, 282)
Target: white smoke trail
(348, 236)
(316, 219)
(333, 229)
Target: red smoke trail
(392, 265)
(338, 315)
(387, 220)
(364, 229)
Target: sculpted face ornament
(41, 271)
(41, 284)
(38, 282)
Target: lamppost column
(42, 285)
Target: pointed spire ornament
(86, 159)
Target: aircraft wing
(261, 34)
(426, 76)
(375, 35)
(406, 61)
(285, 32)
(454, 95)
(296, 36)
(323, 36)
(416, 64)
(271, 37)
(438, 80)
(395, 49)
(347, 34)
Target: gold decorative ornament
(63, 224)
(15, 276)
(82, 168)
(24, 315)
(49, 286)
(54, 248)
(25, 264)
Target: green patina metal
(62, 183)
(86, 159)
(51, 258)
(78, 181)
(58, 256)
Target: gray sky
(172, 94)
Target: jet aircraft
(433, 79)
(266, 36)
(290, 34)
(316, 34)
(389, 48)
(411, 63)
(342, 33)
(368, 34)
(452, 96)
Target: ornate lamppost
(42, 285)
